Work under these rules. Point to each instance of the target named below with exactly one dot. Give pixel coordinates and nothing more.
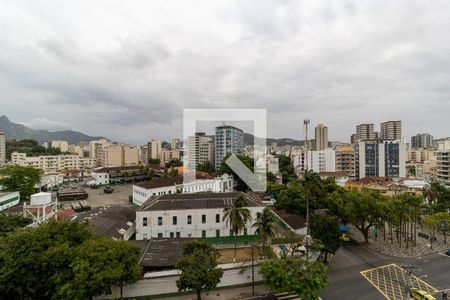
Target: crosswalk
(287, 296)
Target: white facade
(51, 180)
(2, 149)
(222, 184)
(52, 162)
(443, 163)
(322, 161)
(61, 145)
(198, 223)
(99, 178)
(8, 200)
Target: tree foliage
(286, 168)
(30, 147)
(19, 179)
(295, 275)
(325, 227)
(265, 225)
(237, 216)
(63, 260)
(198, 267)
(207, 167)
(9, 223)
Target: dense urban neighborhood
(128, 224)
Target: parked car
(448, 252)
(108, 190)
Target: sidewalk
(226, 294)
(422, 247)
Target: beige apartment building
(120, 155)
(321, 137)
(365, 132)
(200, 149)
(421, 155)
(345, 160)
(154, 149)
(391, 130)
(168, 155)
(53, 162)
(96, 150)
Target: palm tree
(266, 225)
(237, 216)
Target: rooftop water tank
(41, 198)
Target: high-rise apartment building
(2, 149)
(443, 163)
(422, 140)
(321, 137)
(345, 160)
(321, 160)
(96, 150)
(228, 139)
(380, 159)
(176, 144)
(200, 149)
(154, 149)
(168, 155)
(365, 132)
(391, 130)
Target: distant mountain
(249, 138)
(15, 131)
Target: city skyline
(130, 77)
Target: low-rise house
(116, 222)
(110, 175)
(217, 183)
(197, 215)
(8, 199)
(340, 177)
(294, 222)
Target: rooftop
(197, 201)
(160, 252)
(109, 220)
(293, 220)
(171, 181)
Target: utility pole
(253, 269)
(305, 128)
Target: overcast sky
(126, 69)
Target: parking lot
(392, 281)
(97, 197)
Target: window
(189, 219)
(203, 233)
(178, 234)
(171, 234)
(217, 232)
(174, 220)
(159, 221)
(144, 221)
(218, 218)
(203, 219)
(160, 235)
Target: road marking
(394, 281)
(443, 254)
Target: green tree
(207, 167)
(292, 198)
(361, 209)
(266, 225)
(286, 168)
(295, 275)
(100, 264)
(430, 224)
(442, 223)
(198, 267)
(9, 222)
(326, 228)
(19, 179)
(271, 177)
(34, 261)
(237, 215)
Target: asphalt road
(346, 281)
